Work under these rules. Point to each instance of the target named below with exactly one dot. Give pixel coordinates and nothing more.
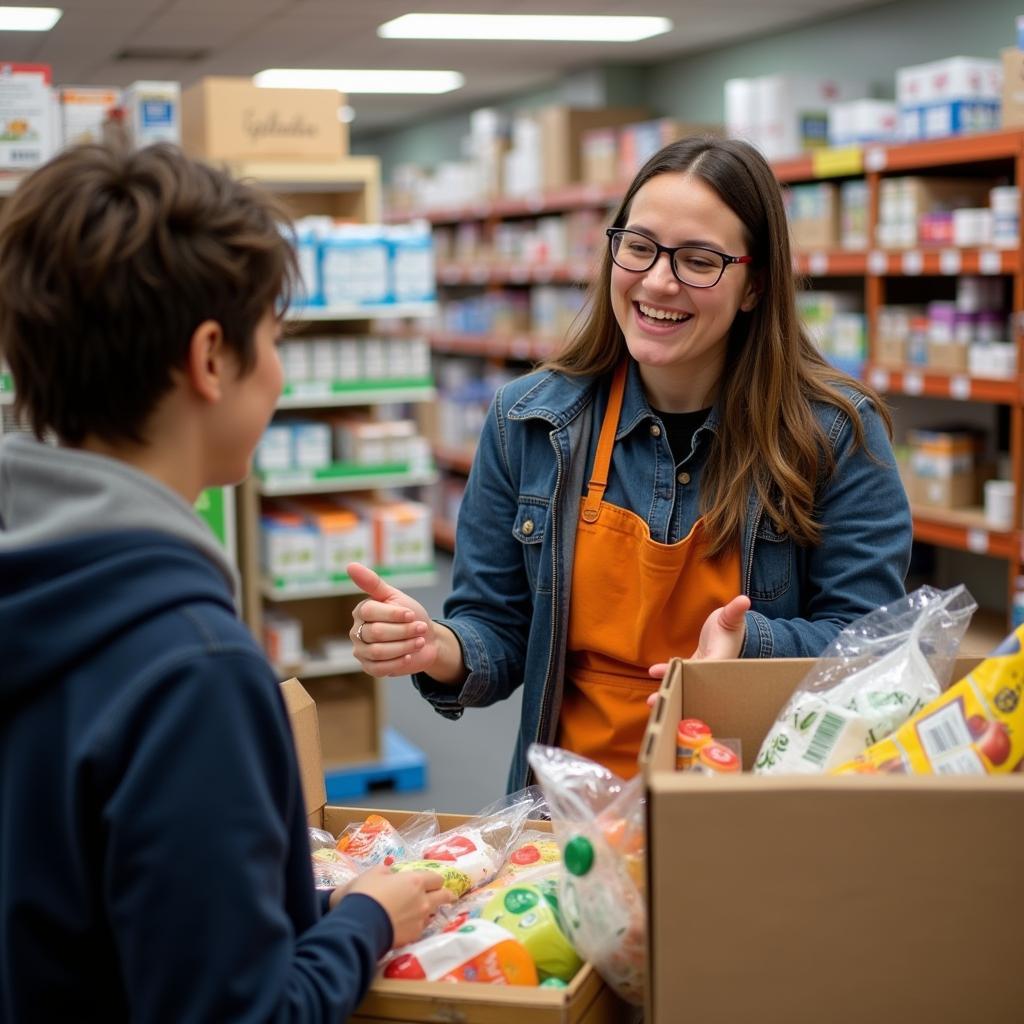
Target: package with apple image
(975, 728)
(877, 673)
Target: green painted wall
(865, 45)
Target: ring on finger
(359, 632)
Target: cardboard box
(890, 899)
(890, 352)
(232, 119)
(350, 726)
(587, 1000)
(1013, 88)
(948, 357)
(561, 134)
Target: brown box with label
(587, 1000)
(561, 130)
(887, 899)
(1013, 88)
(231, 119)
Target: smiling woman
(689, 477)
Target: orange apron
(634, 602)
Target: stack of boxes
(911, 211)
(835, 321)
(945, 467)
(373, 265)
(312, 362)
(949, 97)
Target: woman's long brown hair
(768, 439)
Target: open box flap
(306, 730)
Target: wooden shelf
(955, 149)
(457, 459)
(526, 346)
(963, 530)
(945, 262)
(916, 381)
(518, 273)
(572, 197)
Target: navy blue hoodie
(154, 859)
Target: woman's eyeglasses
(693, 265)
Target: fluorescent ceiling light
(29, 19)
(561, 27)
(361, 80)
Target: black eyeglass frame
(671, 250)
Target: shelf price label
(977, 541)
(950, 262)
(913, 383)
(834, 163)
(875, 159)
(879, 378)
(878, 262)
(990, 261)
(818, 264)
(960, 387)
(913, 262)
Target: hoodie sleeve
(202, 880)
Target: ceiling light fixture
(571, 28)
(361, 80)
(29, 19)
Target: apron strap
(603, 457)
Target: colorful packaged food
(975, 728)
(333, 869)
(375, 840)
(457, 881)
(479, 951)
(530, 913)
(691, 735)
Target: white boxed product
(323, 359)
(311, 445)
(402, 530)
(375, 358)
(275, 448)
(295, 360)
(83, 110)
(354, 266)
(282, 639)
(859, 121)
(154, 112)
(741, 108)
(413, 278)
(27, 116)
(953, 78)
(972, 227)
(347, 358)
(290, 547)
(361, 441)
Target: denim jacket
(512, 574)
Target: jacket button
(683, 478)
(527, 527)
(655, 430)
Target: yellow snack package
(975, 728)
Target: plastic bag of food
(975, 728)
(471, 854)
(599, 821)
(475, 951)
(876, 673)
(375, 840)
(331, 869)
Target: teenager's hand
(408, 897)
(724, 631)
(392, 635)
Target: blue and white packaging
(274, 451)
(154, 112)
(413, 275)
(311, 444)
(354, 266)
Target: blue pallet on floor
(401, 769)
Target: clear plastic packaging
(599, 821)
(875, 674)
(377, 841)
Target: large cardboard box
(587, 1000)
(561, 135)
(1013, 88)
(888, 899)
(233, 120)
